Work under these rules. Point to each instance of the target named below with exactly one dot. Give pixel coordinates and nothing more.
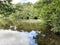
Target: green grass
(24, 24)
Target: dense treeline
(49, 10)
(46, 10)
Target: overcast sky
(16, 1)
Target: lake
(9, 37)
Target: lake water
(9, 37)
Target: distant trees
(24, 11)
(46, 10)
(11, 14)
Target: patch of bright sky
(22, 1)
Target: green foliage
(6, 8)
(46, 10)
(23, 11)
(49, 11)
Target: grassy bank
(26, 25)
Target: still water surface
(9, 37)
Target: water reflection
(9, 37)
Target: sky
(17, 1)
